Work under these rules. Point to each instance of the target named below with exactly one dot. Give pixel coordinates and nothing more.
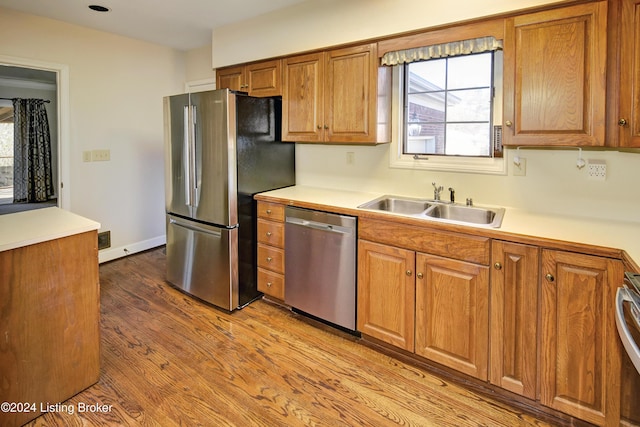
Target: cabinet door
(579, 353)
(302, 98)
(386, 293)
(350, 94)
(514, 317)
(555, 76)
(452, 313)
(629, 130)
(231, 78)
(265, 78)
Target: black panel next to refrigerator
(264, 163)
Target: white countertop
(596, 232)
(40, 225)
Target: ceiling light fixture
(98, 8)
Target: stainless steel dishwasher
(320, 265)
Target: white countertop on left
(40, 225)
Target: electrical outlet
(521, 169)
(351, 157)
(100, 155)
(597, 169)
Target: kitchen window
(449, 110)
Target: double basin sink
(437, 210)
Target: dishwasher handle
(319, 225)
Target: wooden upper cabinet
(302, 106)
(555, 76)
(627, 119)
(258, 79)
(338, 96)
(231, 78)
(580, 355)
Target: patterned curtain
(32, 177)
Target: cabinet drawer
(271, 258)
(271, 283)
(271, 233)
(460, 246)
(272, 211)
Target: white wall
(552, 183)
(116, 85)
(319, 23)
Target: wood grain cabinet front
(337, 96)
(555, 65)
(579, 354)
(270, 237)
(624, 88)
(434, 306)
(257, 79)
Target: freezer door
(178, 160)
(202, 260)
(214, 135)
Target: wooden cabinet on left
(50, 323)
(258, 79)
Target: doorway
(33, 83)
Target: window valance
(464, 47)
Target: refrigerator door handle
(195, 155)
(186, 157)
(194, 227)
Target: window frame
(453, 163)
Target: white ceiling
(181, 24)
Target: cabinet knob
(269, 259)
(409, 272)
(550, 277)
(622, 122)
(269, 284)
(326, 127)
(419, 275)
(509, 123)
(268, 211)
(319, 127)
(268, 234)
(497, 266)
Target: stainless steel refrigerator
(221, 148)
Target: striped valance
(464, 47)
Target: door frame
(64, 144)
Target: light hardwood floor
(170, 360)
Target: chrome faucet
(436, 191)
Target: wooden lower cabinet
(270, 251)
(514, 317)
(386, 293)
(579, 352)
(433, 306)
(50, 319)
(452, 313)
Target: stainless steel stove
(629, 330)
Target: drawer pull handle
(268, 211)
(269, 259)
(268, 234)
(269, 284)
